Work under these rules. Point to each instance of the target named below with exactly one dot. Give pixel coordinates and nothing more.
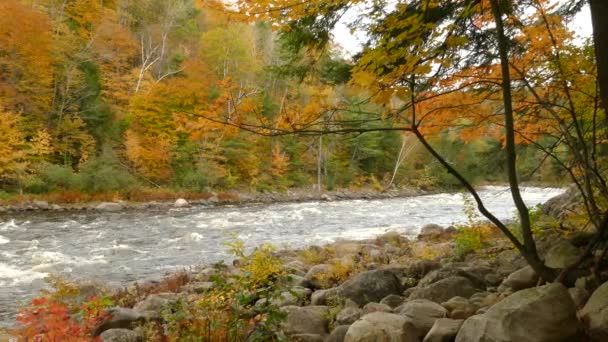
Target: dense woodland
(120, 95)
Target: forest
(122, 98)
(119, 96)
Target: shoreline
(215, 200)
(219, 199)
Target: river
(118, 248)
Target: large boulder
(540, 314)
(445, 289)
(306, 320)
(595, 314)
(370, 286)
(382, 327)
(562, 255)
(523, 278)
(444, 330)
(423, 314)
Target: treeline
(112, 95)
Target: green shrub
(104, 174)
(59, 177)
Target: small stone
(181, 203)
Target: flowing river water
(118, 248)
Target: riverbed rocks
(395, 295)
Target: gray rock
(370, 286)
(445, 289)
(460, 308)
(306, 320)
(562, 255)
(181, 203)
(430, 231)
(152, 306)
(444, 330)
(595, 313)
(348, 315)
(314, 276)
(454, 271)
(382, 327)
(120, 335)
(393, 300)
(509, 261)
(521, 279)
(421, 268)
(540, 314)
(338, 334)
(423, 314)
(295, 267)
(326, 297)
(109, 206)
(285, 298)
(120, 318)
(375, 307)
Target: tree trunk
(529, 246)
(599, 22)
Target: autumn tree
(427, 55)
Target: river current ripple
(118, 248)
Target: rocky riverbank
(386, 289)
(213, 199)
